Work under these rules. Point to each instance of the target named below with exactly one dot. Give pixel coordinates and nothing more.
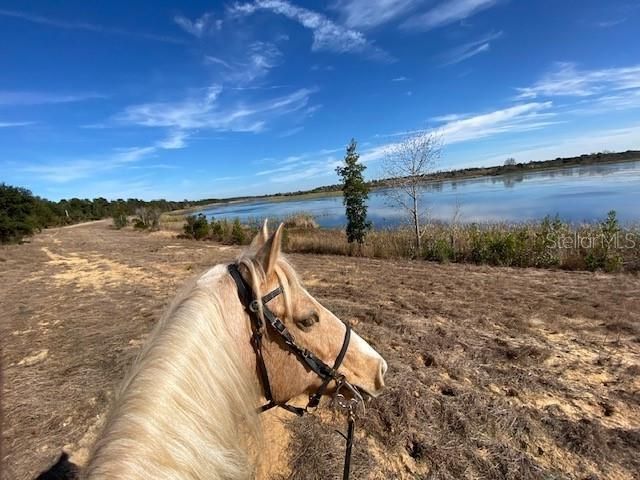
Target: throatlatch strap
(256, 338)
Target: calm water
(576, 194)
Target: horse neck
(187, 409)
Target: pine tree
(355, 193)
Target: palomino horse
(188, 408)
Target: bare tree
(148, 217)
(406, 163)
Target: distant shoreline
(448, 175)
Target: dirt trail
(494, 373)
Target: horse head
(314, 328)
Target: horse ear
(261, 237)
(268, 253)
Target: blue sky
(214, 99)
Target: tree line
(22, 213)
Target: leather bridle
(259, 325)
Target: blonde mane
(187, 409)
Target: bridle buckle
(254, 306)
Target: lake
(581, 193)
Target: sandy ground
(494, 373)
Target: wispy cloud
(261, 58)
(399, 79)
(89, 27)
(470, 49)
(175, 140)
(204, 111)
(610, 23)
(321, 163)
(212, 60)
(566, 80)
(291, 132)
(199, 27)
(371, 13)
(41, 98)
(518, 118)
(615, 139)
(447, 12)
(68, 170)
(327, 34)
(458, 128)
(15, 124)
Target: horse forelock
(287, 278)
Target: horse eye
(309, 321)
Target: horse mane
(187, 409)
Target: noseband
(306, 357)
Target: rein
(259, 325)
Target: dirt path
(494, 373)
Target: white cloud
(89, 27)
(327, 35)
(261, 58)
(15, 124)
(174, 141)
(240, 67)
(291, 131)
(610, 23)
(399, 79)
(617, 139)
(199, 27)
(447, 12)
(470, 49)
(210, 59)
(371, 13)
(41, 98)
(68, 170)
(567, 80)
(462, 128)
(205, 112)
(518, 118)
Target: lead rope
(351, 407)
(351, 427)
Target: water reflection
(576, 194)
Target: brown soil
(493, 372)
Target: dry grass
(543, 244)
(493, 372)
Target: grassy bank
(549, 243)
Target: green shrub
(216, 230)
(196, 226)
(439, 250)
(120, 219)
(138, 224)
(238, 236)
(16, 214)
